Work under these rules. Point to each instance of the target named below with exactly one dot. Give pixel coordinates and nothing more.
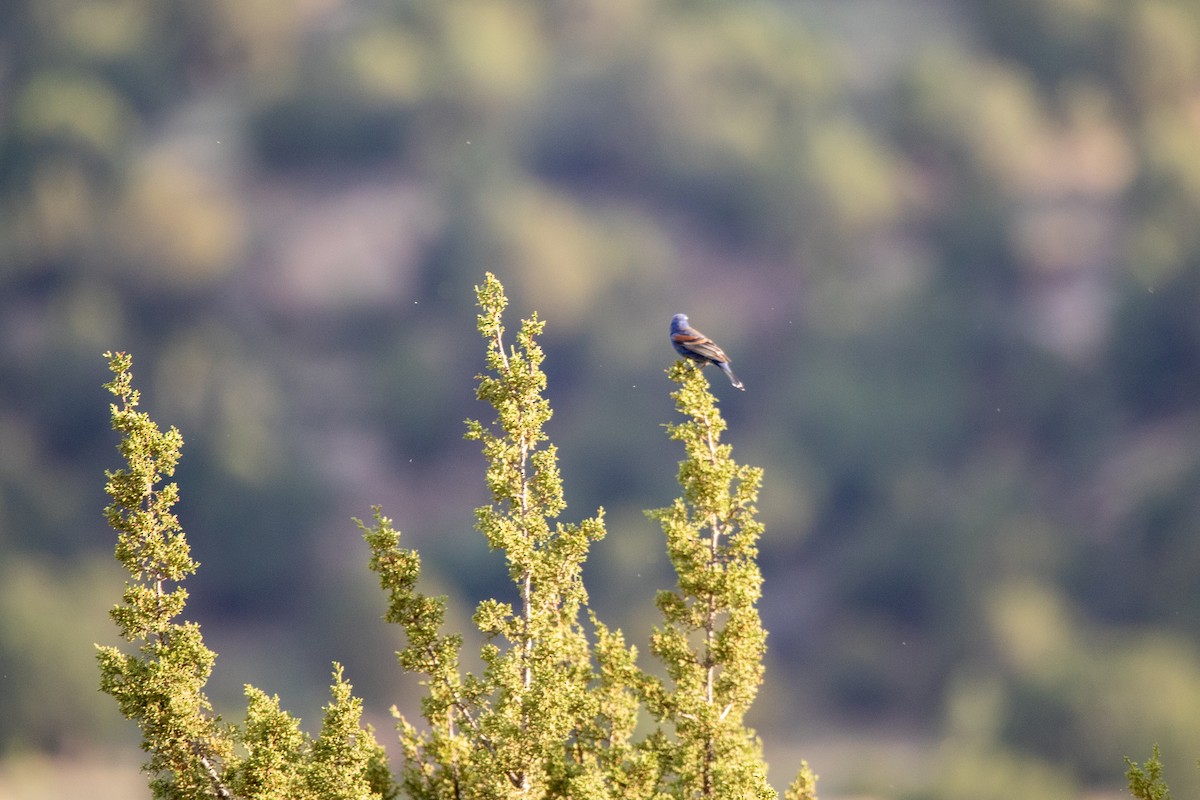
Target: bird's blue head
(678, 323)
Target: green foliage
(556, 709)
(162, 685)
(529, 722)
(553, 712)
(712, 641)
(193, 754)
(274, 765)
(804, 787)
(1145, 781)
(346, 762)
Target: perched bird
(691, 343)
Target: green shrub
(561, 706)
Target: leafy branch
(711, 641)
(161, 686)
(193, 754)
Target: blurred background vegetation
(952, 246)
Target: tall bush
(561, 708)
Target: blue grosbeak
(691, 343)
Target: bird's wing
(699, 344)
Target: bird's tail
(732, 378)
